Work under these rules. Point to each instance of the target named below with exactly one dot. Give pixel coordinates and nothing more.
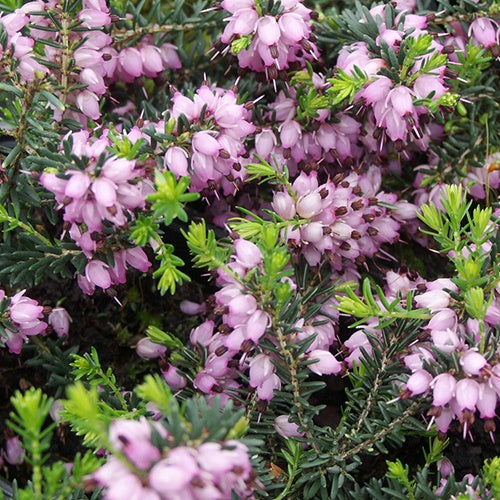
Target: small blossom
(325, 363)
(419, 382)
(147, 349)
(60, 321)
(14, 452)
(472, 362)
(443, 387)
(285, 428)
(466, 394)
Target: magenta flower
(25, 314)
(173, 377)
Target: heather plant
(284, 218)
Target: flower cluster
(146, 59)
(343, 220)
(232, 333)
(83, 52)
(20, 46)
(103, 193)
(212, 151)
(269, 42)
(156, 472)
(450, 361)
(399, 111)
(332, 142)
(475, 385)
(21, 319)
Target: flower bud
(445, 467)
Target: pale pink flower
(97, 273)
(325, 363)
(484, 31)
(14, 452)
(472, 362)
(419, 382)
(60, 320)
(147, 349)
(443, 387)
(285, 428)
(248, 254)
(466, 394)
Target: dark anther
(357, 205)
(324, 193)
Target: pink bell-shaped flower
(60, 321)
(326, 363)
(247, 253)
(466, 394)
(443, 387)
(97, 273)
(285, 428)
(419, 382)
(147, 349)
(473, 362)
